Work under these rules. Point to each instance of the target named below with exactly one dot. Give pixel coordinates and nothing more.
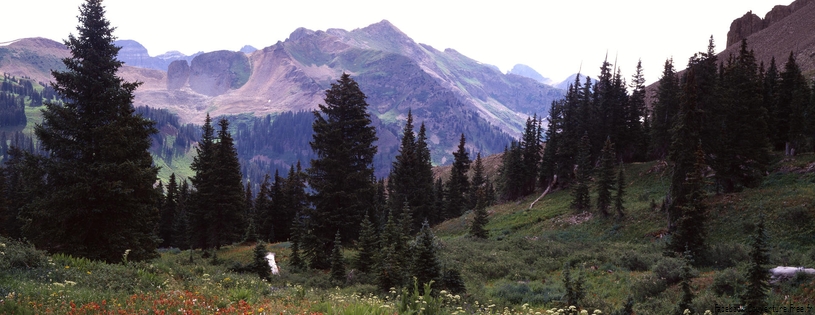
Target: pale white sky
(553, 37)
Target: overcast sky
(553, 37)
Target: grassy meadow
(517, 270)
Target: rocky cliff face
(135, 54)
(178, 72)
(750, 23)
(217, 72)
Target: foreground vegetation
(518, 269)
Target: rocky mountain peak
(751, 23)
(299, 33)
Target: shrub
(669, 269)
(19, 255)
(729, 281)
(648, 286)
(726, 255)
(451, 281)
(634, 261)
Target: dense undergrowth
(518, 269)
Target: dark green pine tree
(337, 261)
(530, 146)
(478, 227)
(277, 215)
(168, 213)
(295, 197)
(620, 193)
(260, 265)
(390, 271)
(425, 266)
(438, 202)
(295, 261)
(793, 103)
(605, 180)
(479, 181)
(769, 95)
(251, 232)
(263, 210)
(580, 192)
(754, 298)
(200, 210)
(685, 302)
(181, 232)
(665, 109)
(636, 120)
(98, 199)
(510, 176)
(459, 184)
(367, 246)
(741, 146)
(411, 177)
(227, 224)
(689, 233)
(341, 176)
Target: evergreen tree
(389, 262)
(478, 182)
(635, 120)
(480, 220)
(755, 298)
(574, 287)
(530, 146)
(250, 233)
(740, 146)
(295, 197)
(411, 177)
(511, 173)
(203, 198)
(459, 184)
(425, 266)
(337, 261)
(620, 193)
(665, 110)
(605, 181)
(689, 234)
(260, 264)
(580, 192)
(168, 213)
(263, 210)
(793, 102)
(181, 232)
(438, 202)
(342, 175)
(227, 222)
(295, 261)
(769, 94)
(687, 276)
(367, 246)
(99, 199)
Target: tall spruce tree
(620, 192)
(99, 199)
(740, 145)
(580, 193)
(605, 180)
(459, 184)
(480, 220)
(337, 261)
(665, 109)
(425, 266)
(411, 177)
(342, 174)
(201, 207)
(754, 298)
(228, 222)
(367, 246)
(769, 95)
(793, 104)
(479, 181)
(635, 118)
(168, 213)
(689, 234)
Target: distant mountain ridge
(135, 55)
(527, 71)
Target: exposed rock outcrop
(178, 72)
(750, 23)
(217, 72)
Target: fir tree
(425, 266)
(480, 220)
(459, 184)
(793, 99)
(389, 263)
(580, 192)
(342, 175)
(411, 175)
(755, 298)
(605, 182)
(620, 193)
(205, 193)
(689, 233)
(769, 94)
(99, 199)
(168, 212)
(438, 202)
(227, 222)
(295, 261)
(636, 119)
(260, 264)
(337, 261)
(367, 246)
(478, 182)
(687, 276)
(264, 210)
(530, 146)
(574, 287)
(665, 109)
